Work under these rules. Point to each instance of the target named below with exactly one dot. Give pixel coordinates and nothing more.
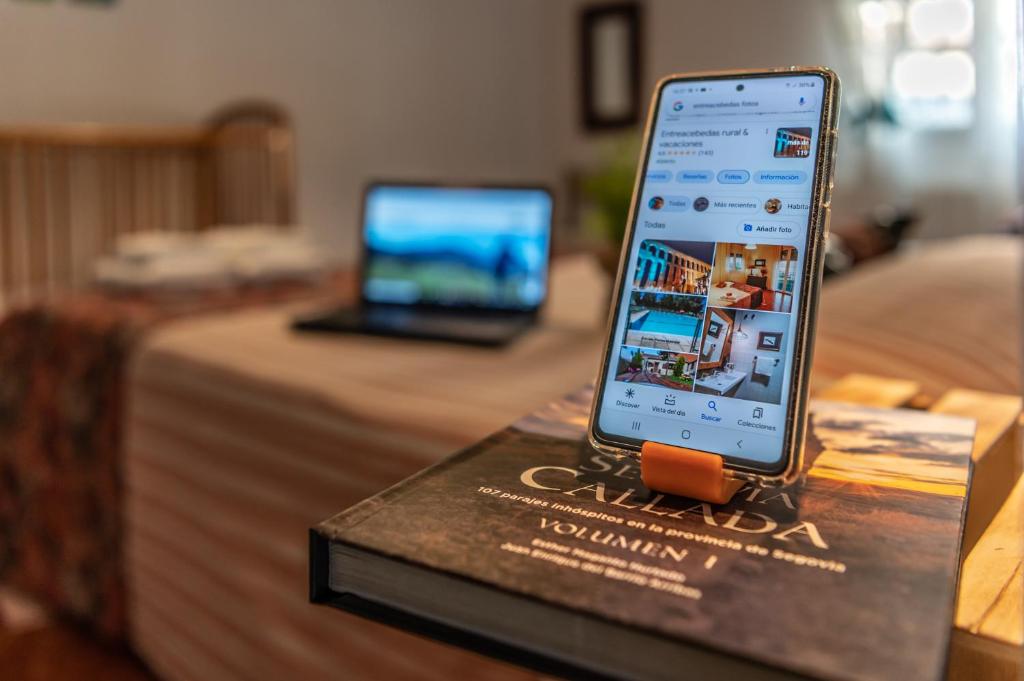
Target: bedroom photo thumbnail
(753, 276)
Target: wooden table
(243, 434)
(945, 316)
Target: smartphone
(712, 320)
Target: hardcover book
(533, 547)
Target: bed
(733, 294)
(240, 435)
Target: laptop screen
(459, 247)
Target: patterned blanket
(62, 396)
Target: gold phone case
(821, 196)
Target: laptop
(457, 263)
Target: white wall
(479, 89)
(382, 88)
(961, 182)
(695, 36)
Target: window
(735, 263)
(917, 60)
(785, 271)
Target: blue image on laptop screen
(457, 246)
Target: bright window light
(929, 75)
(872, 15)
(881, 23)
(933, 89)
(880, 13)
(940, 23)
(917, 60)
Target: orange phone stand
(686, 472)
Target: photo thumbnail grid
(709, 317)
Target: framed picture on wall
(714, 328)
(769, 340)
(760, 262)
(610, 65)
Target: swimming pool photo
(664, 321)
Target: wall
(483, 89)
(961, 182)
(744, 350)
(383, 89)
(770, 254)
(690, 36)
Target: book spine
(319, 567)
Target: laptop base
(403, 322)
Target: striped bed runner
(241, 436)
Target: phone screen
(705, 322)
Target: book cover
(849, 573)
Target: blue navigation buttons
(733, 177)
(658, 176)
(780, 177)
(689, 176)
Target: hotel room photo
(753, 276)
(743, 354)
(185, 185)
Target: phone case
(820, 214)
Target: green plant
(609, 189)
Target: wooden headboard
(68, 191)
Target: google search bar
(693, 107)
